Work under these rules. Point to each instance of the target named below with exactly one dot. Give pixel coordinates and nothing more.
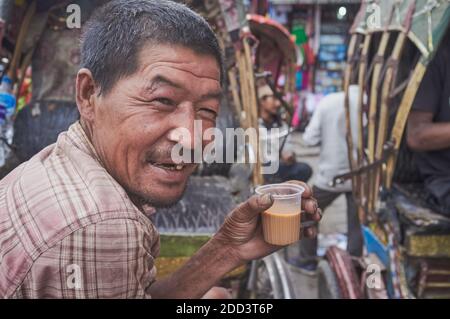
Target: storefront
(321, 29)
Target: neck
(266, 116)
(87, 129)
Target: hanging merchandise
(331, 63)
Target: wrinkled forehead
(182, 62)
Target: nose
(186, 130)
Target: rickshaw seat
(425, 233)
(415, 211)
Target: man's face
(135, 124)
(270, 104)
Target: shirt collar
(80, 140)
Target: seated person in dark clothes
(428, 132)
(269, 118)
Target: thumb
(240, 223)
(252, 207)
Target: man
(269, 118)
(72, 218)
(428, 130)
(327, 128)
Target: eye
(208, 113)
(165, 101)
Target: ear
(86, 94)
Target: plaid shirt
(69, 230)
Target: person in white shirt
(327, 128)
(288, 167)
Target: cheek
(208, 133)
(140, 136)
(265, 105)
(130, 139)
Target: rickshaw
(406, 242)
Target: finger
(316, 216)
(252, 207)
(308, 191)
(310, 232)
(307, 224)
(310, 205)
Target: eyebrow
(213, 95)
(161, 80)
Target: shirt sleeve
(311, 137)
(429, 93)
(109, 259)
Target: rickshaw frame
(375, 164)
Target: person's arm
(312, 135)
(425, 135)
(198, 275)
(238, 241)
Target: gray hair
(115, 34)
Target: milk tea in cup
(281, 222)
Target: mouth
(170, 166)
(163, 169)
(169, 172)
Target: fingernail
(266, 199)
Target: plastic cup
(281, 222)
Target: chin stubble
(144, 199)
